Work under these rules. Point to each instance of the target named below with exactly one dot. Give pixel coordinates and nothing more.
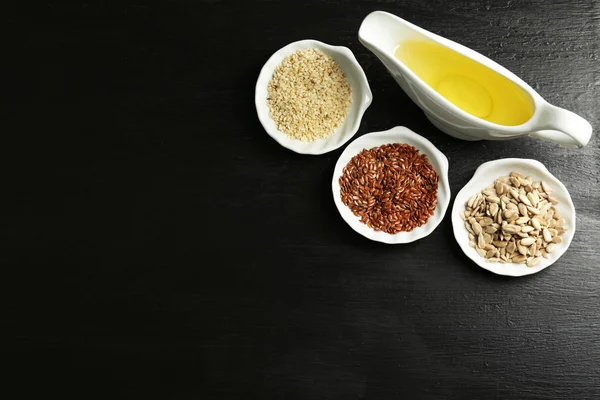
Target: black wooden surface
(156, 242)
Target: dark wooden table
(157, 242)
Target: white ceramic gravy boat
(381, 33)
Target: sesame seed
(309, 95)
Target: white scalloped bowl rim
(361, 98)
(398, 134)
(484, 176)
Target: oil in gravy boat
(463, 93)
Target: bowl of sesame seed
(392, 186)
(310, 96)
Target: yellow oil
(469, 85)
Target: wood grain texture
(157, 242)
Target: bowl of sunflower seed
(513, 217)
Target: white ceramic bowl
(399, 134)
(484, 176)
(361, 98)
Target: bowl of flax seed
(310, 97)
(392, 186)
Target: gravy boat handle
(563, 127)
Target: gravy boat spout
(462, 92)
